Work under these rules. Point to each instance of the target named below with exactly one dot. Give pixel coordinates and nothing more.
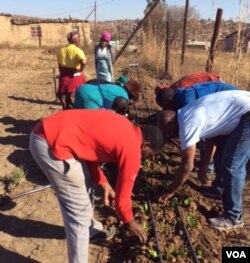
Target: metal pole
(217, 25)
(184, 33)
(30, 192)
(136, 29)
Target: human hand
(164, 198)
(137, 230)
(108, 194)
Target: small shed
(231, 41)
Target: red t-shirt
(98, 136)
(194, 78)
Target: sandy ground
(32, 230)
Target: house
(230, 42)
(29, 31)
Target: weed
(153, 253)
(174, 202)
(145, 226)
(199, 254)
(187, 201)
(192, 220)
(17, 177)
(143, 208)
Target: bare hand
(163, 199)
(137, 230)
(108, 195)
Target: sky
(117, 9)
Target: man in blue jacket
(174, 99)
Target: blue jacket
(95, 96)
(185, 96)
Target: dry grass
(233, 67)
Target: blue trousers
(231, 157)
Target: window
(36, 31)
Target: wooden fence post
(217, 24)
(184, 33)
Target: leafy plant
(187, 201)
(192, 220)
(143, 208)
(172, 252)
(174, 202)
(199, 254)
(145, 226)
(153, 253)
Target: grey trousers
(72, 183)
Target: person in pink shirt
(69, 147)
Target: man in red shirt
(69, 147)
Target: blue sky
(112, 9)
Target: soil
(31, 226)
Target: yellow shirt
(70, 56)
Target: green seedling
(172, 252)
(174, 202)
(169, 252)
(192, 220)
(153, 253)
(182, 253)
(148, 164)
(187, 201)
(145, 226)
(199, 254)
(143, 208)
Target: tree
(156, 22)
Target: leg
(68, 180)
(69, 100)
(234, 160)
(218, 181)
(62, 99)
(233, 169)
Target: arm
(82, 65)
(128, 166)
(95, 53)
(97, 173)
(82, 59)
(208, 150)
(112, 54)
(186, 167)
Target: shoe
(212, 192)
(224, 223)
(103, 235)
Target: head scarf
(106, 36)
